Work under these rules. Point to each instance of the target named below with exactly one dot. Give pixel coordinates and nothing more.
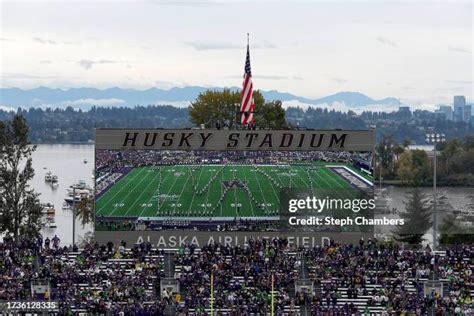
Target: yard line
(248, 180)
(207, 193)
(182, 190)
(222, 181)
(349, 189)
(125, 197)
(143, 191)
(273, 188)
(162, 179)
(194, 192)
(261, 191)
(167, 193)
(130, 181)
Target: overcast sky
(419, 52)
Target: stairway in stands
(305, 309)
(169, 265)
(169, 274)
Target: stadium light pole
(435, 138)
(73, 216)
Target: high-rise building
(459, 104)
(446, 111)
(467, 113)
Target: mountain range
(179, 96)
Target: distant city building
(468, 113)
(404, 111)
(445, 112)
(459, 104)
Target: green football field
(213, 190)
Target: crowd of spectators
(113, 278)
(115, 161)
(243, 276)
(393, 271)
(94, 279)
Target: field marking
(122, 187)
(248, 180)
(143, 191)
(194, 193)
(129, 178)
(125, 197)
(163, 178)
(167, 193)
(350, 189)
(261, 191)
(184, 186)
(370, 183)
(322, 176)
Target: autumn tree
(413, 167)
(20, 209)
(213, 108)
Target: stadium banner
(235, 140)
(179, 238)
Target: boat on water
(48, 209)
(49, 222)
(48, 176)
(77, 192)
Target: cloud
(186, 3)
(339, 80)
(4, 39)
(459, 49)
(24, 76)
(45, 62)
(459, 81)
(6, 108)
(88, 64)
(271, 77)
(202, 46)
(268, 77)
(44, 41)
(386, 41)
(97, 102)
(212, 46)
(264, 45)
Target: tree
(85, 210)
(385, 154)
(20, 209)
(413, 167)
(270, 115)
(417, 218)
(213, 108)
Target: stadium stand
(369, 278)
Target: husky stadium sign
(274, 140)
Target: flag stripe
(247, 104)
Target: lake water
(67, 162)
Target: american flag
(247, 106)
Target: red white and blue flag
(247, 106)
